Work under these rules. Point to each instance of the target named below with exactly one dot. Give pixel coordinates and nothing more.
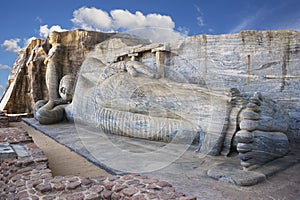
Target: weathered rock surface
(27, 79)
(191, 83)
(251, 61)
(264, 61)
(204, 61)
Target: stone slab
(6, 151)
(229, 173)
(20, 150)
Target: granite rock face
(27, 80)
(185, 95)
(198, 88)
(251, 61)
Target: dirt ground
(62, 161)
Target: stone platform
(193, 173)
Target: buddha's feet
(262, 136)
(258, 147)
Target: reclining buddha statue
(128, 98)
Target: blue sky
(23, 19)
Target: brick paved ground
(30, 178)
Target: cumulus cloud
(127, 20)
(5, 67)
(153, 26)
(44, 30)
(12, 45)
(91, 18)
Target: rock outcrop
(251, 61)
(27, 79)
(192, 90)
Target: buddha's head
(66, 87)
(54, 37)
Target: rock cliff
(264, 61)
(27, 79)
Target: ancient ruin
(223, 93)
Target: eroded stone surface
(111, 90)
(27, 81)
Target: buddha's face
(66, 88)
(53, 38)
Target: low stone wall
(28, 177)
(3, 120)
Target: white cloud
(12, 45)
(184, 30)
(91, 19)
(156, 34)
(153, 26)
(5, 67)
(200, 21)
(44, 30)
(161, 21)
(127, 20)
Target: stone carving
(141, 105)
(27, 81)
(155, 91)
(54, 70)
(52, 111)
(128, 98)
(36, 71)
(262, 136)
(60, 90)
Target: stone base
(231, 173)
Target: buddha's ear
(62, 90)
